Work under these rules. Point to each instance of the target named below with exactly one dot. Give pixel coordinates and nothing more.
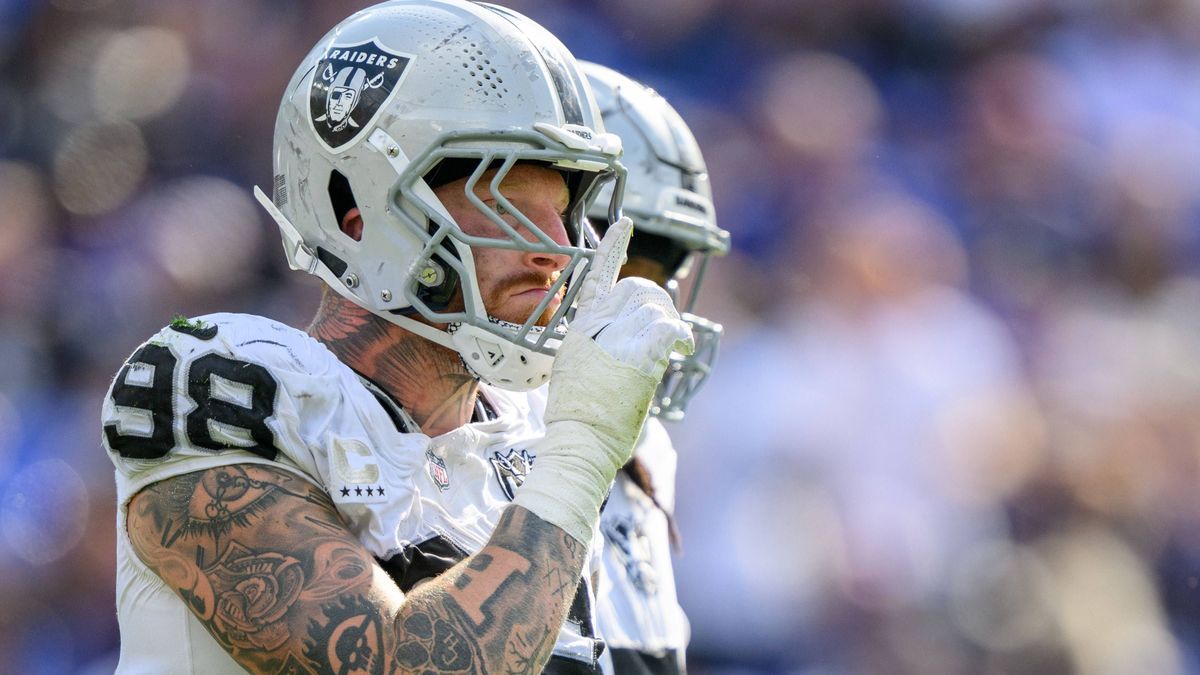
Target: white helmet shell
(383, 99)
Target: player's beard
(494, 301)
(497, 307)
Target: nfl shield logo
(350, 87)
(437, 471)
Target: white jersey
(636, 609)
(251, 390)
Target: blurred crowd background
(954, 426)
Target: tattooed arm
(264, 561)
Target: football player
(668, 197)
(383, 493)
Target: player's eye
(499, 209)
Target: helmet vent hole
(341, 198)
(478, 69)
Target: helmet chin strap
(487, 357)
(302, 258)
(501, 362)
(424, 330)
(299, 256)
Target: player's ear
(352, 224)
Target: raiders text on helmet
(411, 89)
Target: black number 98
(233, 399)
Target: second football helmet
(669, 199)
(410, 94)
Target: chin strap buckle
(301, 258)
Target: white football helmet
(413, 92)
(669, 199)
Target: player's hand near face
(633, 319)
(604, 376)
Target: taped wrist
(594, 415)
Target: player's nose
(550, 222)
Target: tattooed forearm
(265, 563)
(494, 606)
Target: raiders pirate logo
(350, 86)
(511, 469)
(632, 548)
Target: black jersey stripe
(427, 559)
(561, 665)
(633, 662)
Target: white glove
(633, 319)
(600, 390)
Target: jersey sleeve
(230, 389)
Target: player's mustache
(525, 281)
